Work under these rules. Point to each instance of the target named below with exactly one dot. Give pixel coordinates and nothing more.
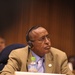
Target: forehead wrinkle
(33, 34)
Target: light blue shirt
(38, 58)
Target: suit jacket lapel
(29, 59)
(49, 63)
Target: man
(2, 43)
(2, 46)
(39, 45)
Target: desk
(30, 73)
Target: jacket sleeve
(65, 67)
(12, 65)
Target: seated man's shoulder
(57, 51)
(20, 50)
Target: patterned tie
(40, 66)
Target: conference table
(30, 73)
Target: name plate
(31, 73)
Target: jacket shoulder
(56, 51)
(19, 52)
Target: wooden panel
(56, 16)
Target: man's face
(2, 44)
(41, 44)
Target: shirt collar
(36, 56)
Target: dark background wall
(57, 16)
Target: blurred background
(57, 16)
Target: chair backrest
(71, 59)
(5, 53)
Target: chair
(71, 59)
(5, 53)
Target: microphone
(29, 46)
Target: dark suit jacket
(19, 59)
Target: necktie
(40, 66)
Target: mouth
(47, 48)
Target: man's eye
(41, 39)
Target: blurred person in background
(2, 43)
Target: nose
(47, 41)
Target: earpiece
(30, 45)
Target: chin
(47, 51)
